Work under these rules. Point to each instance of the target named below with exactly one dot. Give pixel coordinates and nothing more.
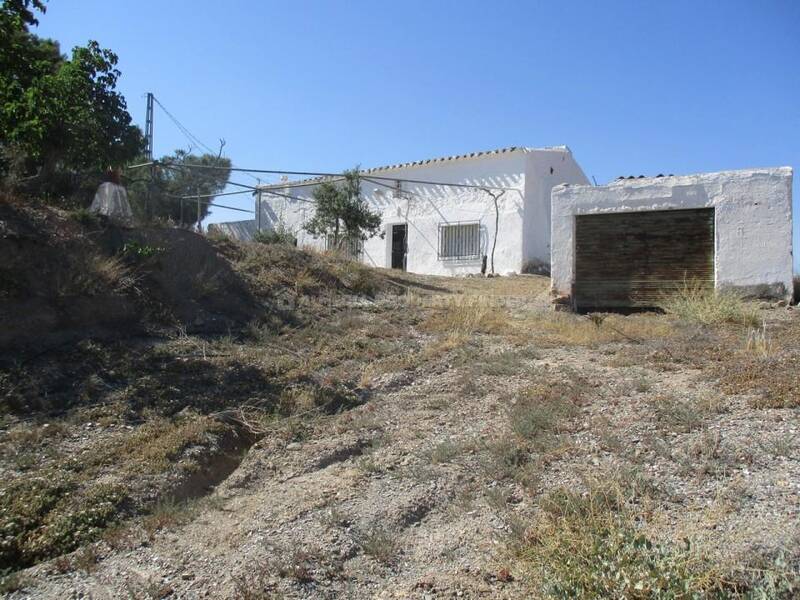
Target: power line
(189, 135)
(209, 195)
(340, 175)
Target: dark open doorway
(399, 247)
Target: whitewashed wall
(544, 170)
(524, 226)
(238, 230)
(753, 222)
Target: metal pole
(181, 213)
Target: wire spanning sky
(632, 87)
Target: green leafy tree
(156, 195)
(59, 116)
(342, 214)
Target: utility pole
(199, 225)
(258, 210)
(148, 127)
(148, 136)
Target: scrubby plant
(694, 302)
(444, 452)
(40, 518)
(275, 236)
(138, 252)
(379, 543)
(84, 216)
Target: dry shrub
(774, 381)
(95, 274)
(769, 371)
(593, 543)
(694, 302)
(380, 543)
(676, 414)
(155, 445)
(541, 411)
(506, 363)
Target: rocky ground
(429, 487)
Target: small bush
(140, 252)
(539, 412)
(694, 302)
(85, 217)
(796, 281)
(380, 544)
(591, 544)
(444, 453)
(678, 415)
(41, 519)
(274, 236)
(506, 363)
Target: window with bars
(351, 247)
(459, 240)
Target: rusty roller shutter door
(630, 260)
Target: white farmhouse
(626, 244)
(454, 229)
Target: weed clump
(40, 519)
(593, 544)
(695, 303)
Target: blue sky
(632, 87)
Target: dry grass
(380, 543)
(594, 543)
(568, 329)
(95, 274)
(759, 342)
(684, 415)
(771, 382)
(444, 452)
(694, 302)
(464, 316)
(156, 445)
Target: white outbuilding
(626, 244)
(444, 216)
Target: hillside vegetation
(185, 417)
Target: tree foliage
(342, 214)
(155, 195)
(58, 116)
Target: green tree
(341, 213)
(157, 195)
(59, 116)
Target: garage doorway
(629, 261)
(399, 246)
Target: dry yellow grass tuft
(467, 315)
(694, 302)
(560, 328)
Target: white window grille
(461, 240)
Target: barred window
(351, 247)
(459, 240)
